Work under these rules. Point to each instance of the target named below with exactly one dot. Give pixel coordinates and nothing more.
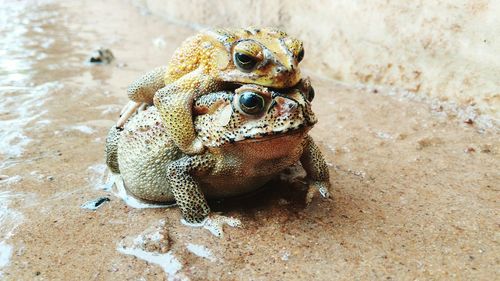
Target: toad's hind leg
(318, 175)
(185, 188)
(174, 103)
(111, 149)
(142, 91)
(189, 197)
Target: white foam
(44, 122)
(83, 128)
(120, 192)
(167, 261)
(37, 176)
(215, 224)
(13, 143)
(9, 221)
(11, 180)
(22, 106)
(97, 176)
(201, 251)
(5, 253)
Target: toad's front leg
(142, 91)
(189, 197)
(174, 103)
(111, 149)
(318, 175)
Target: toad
(252, 134)
(208, 62)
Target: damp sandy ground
(415, 190)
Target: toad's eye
(245, 62)
(300, 55)
(251, 103)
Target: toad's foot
(128, 111)
(323, 187)
(215, 223)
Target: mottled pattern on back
(144, 147)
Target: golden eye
(247, 55)
(245, 62)
(251, 103)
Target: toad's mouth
(265, 137)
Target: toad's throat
(261, 137)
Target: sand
(415, 189)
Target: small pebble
(102, 55)
(470, 150)
(469, 121)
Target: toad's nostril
(280, 69)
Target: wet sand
(415, 190)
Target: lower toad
(251, 135)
